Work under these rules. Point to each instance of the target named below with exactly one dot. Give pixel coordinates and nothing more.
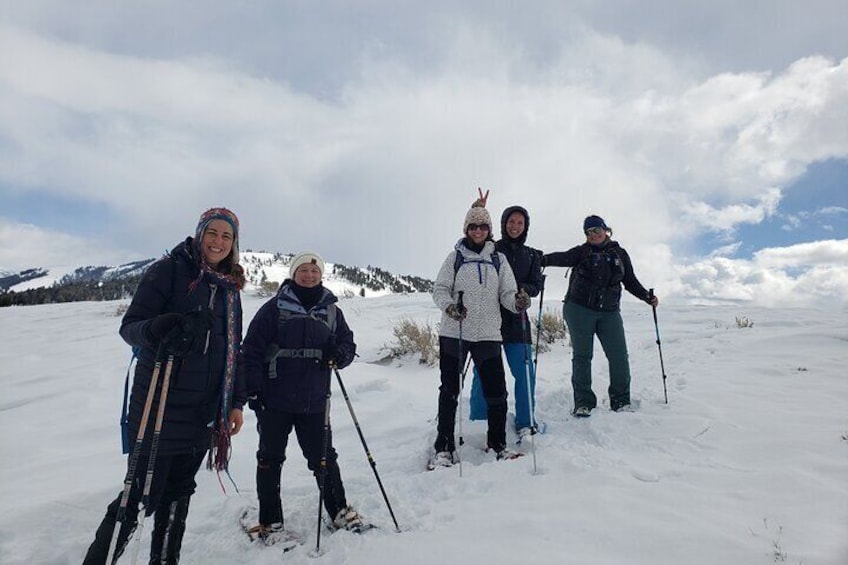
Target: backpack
(274, 350)
(460, 260)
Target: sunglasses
(594, 231)
(474, 227)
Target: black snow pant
(274, 429)
(487, 358)
(172, 486)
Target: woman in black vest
(187, 306)
(600, 267)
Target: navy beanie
(594, 222)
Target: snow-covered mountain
(264, 272)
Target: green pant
(583, 325)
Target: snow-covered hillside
(745, 465)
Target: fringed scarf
(219, 450)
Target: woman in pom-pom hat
(484, 278)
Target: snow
(52, 275)
(746, 464)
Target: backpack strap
(459, 260)
(274, 351)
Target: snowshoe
(505, 454)
(525, 433)
(441, 459)
(273, 534)
(582, 412)
(351, 520)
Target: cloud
(383, 170)
(24, 246)
(809, 273)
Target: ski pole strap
(654, 310)
(125, 417)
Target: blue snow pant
(519, 360)
(583, 324)
(274, 429)
(486, 355)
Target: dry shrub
(744, 322)
(411, 337)
(551, 330)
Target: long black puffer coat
(197, 381)
(526, 266)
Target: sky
(712, 136)
(745, 464)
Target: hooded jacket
(526, 267)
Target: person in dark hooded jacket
(600, 267)
(186, 307)
(515, 328)
(292, 345)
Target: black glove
(330, 354)
(522, 300)
(158, 327)
(456, 312)
(189, 336)
(255, 403)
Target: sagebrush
(550, 330)
(744, 322)
(418, 338)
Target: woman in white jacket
(474, 281)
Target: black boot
(168, 530)
(446, 423)
(334, 492)
(268, 491)
(99, 549)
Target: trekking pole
(461, 378)
(524, 331)
(659, 344)
(323, 465)
(133, 463)
(539, 325)
(365, 447)
(154, 451)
